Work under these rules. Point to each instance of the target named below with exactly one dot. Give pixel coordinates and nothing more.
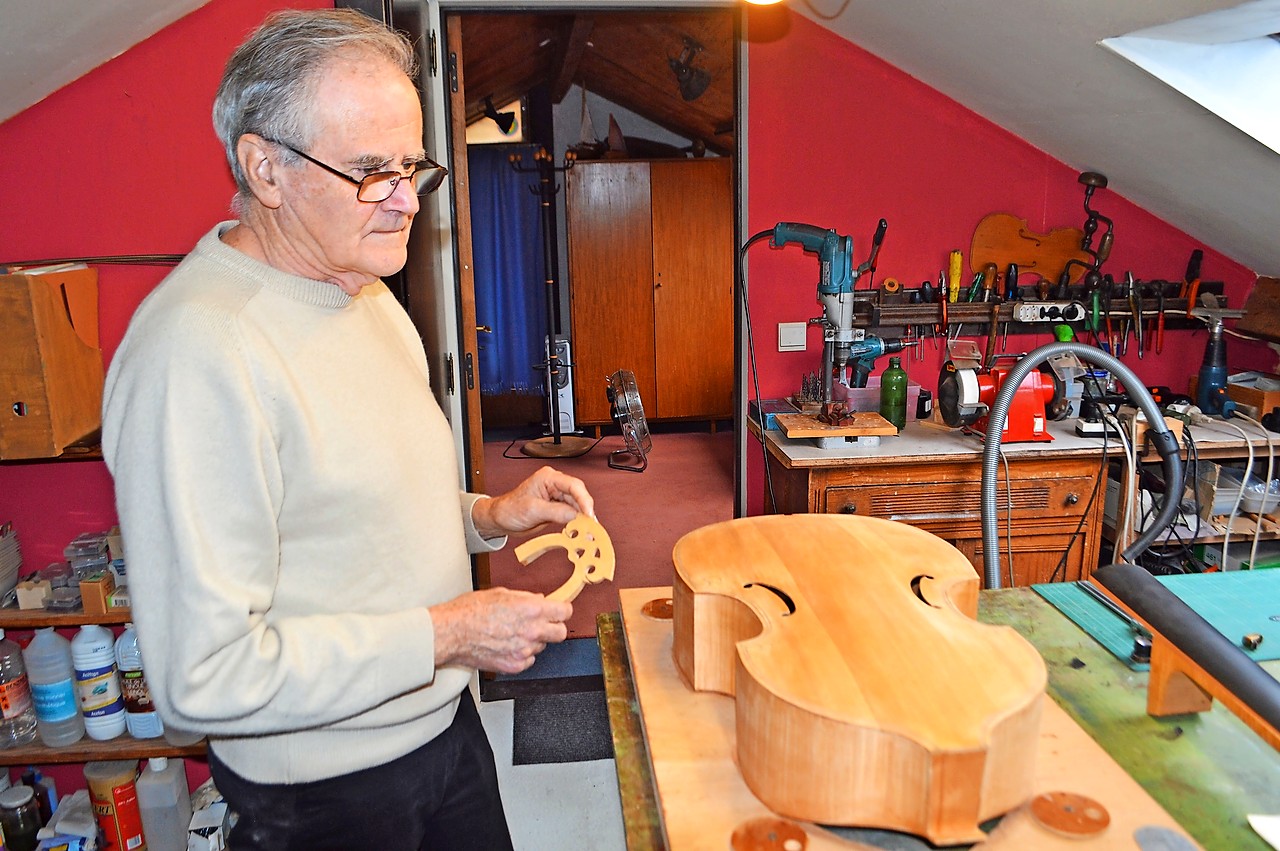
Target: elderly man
(285, 480)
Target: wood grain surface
(867, 693)
(703, 799)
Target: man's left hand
(548, 496)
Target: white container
(98, 682)
(165, 803)
(140, 714)
(53, 689)
(18, 716)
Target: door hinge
(449, 383)
(470, 371)
(453, 72)
(433, 55)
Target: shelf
(123, 746)
(13, 618)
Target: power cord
(751, 355)
(1204, 420)
(1266, 485)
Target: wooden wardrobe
(651, 259)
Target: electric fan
(628, 414)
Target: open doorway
(641, 258)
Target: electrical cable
(751, 355)
(1204, 420)
(1266, 485)
(1008, 516)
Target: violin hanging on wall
(866, 692)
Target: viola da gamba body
(866, 692)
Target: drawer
(945, 504)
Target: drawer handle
(1073, 498)
(849, 508)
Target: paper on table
(1268, 827)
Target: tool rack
(873, 309)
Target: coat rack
(556, 445)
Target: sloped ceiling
(1032, 66)
(45, 44)
(623, 57)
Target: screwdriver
(955, 272)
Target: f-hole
(915, 588)
(782, 595)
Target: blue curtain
(506, 232)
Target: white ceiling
(1033, 67)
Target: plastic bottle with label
(139, 710)
(17, 713)
(893, 394)
(98, 682)
(165, 803)
(53, 689)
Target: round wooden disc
(659, 609)
(1069, 814)
(768, 833)
(568, 447)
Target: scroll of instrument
(588, 547)
(1001, 238)
(865, 691)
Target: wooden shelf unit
(123, 746)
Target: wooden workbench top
(703, 799)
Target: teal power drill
(836, 280)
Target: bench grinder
(965, 396)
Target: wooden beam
(572, 48)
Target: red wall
(122, 161)
(840, 139)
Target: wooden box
(50, 365)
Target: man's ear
(258, 161)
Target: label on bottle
(99, 690)
(15, 697)
(119, 817)
(137, 697)
(55, 701)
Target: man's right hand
(497, 629)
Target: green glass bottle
(893, 394)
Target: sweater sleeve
(199, 485)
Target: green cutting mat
(1236, 603)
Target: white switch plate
(792, 336)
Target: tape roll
(891, 285)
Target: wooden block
(51, 372)
(807, 425)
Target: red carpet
(689, 483)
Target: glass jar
(20, 817)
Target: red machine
(965, 396)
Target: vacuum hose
(1165, 441)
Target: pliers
(1135, 307)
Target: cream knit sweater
(288, 495)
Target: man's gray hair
(267, 85)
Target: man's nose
(403, 198)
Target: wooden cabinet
(651, 259)
(934, 482)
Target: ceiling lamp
(692, 81)
(504, 120)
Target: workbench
(931, 478)
(1207, 771)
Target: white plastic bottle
(140, 714)
(165, 803)
(17, 713)
(53, 689)
(98, 682)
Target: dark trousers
(441, 797)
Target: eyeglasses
(379, 186)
